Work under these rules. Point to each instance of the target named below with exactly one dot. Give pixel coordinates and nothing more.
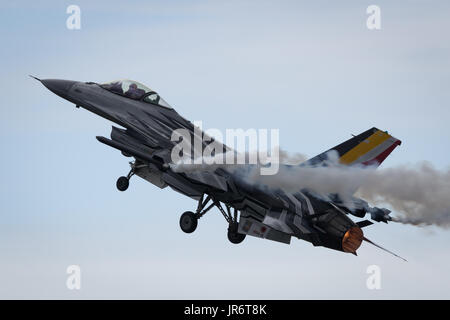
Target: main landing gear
(189, 220)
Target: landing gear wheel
(122, 183)
(233, 234)
(188, 222)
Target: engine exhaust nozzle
(352, 239)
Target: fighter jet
(145, 125)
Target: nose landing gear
(123, 182)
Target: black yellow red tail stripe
(368, 148)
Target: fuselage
(272, 214)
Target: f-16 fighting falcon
(146, 124)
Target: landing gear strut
(189, 220)
(123, 182)
(233, 235)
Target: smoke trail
(291, 159)
(418, 194)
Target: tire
(122, 183)
(233, 235)
(188, 222)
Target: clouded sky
(310, 69)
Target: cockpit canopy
(135, 90)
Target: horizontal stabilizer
(364, 223)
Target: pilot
(134, 92)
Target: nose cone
(59, 87)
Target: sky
(313, 70)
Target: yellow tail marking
(365, 146)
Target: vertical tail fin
(368, 148)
